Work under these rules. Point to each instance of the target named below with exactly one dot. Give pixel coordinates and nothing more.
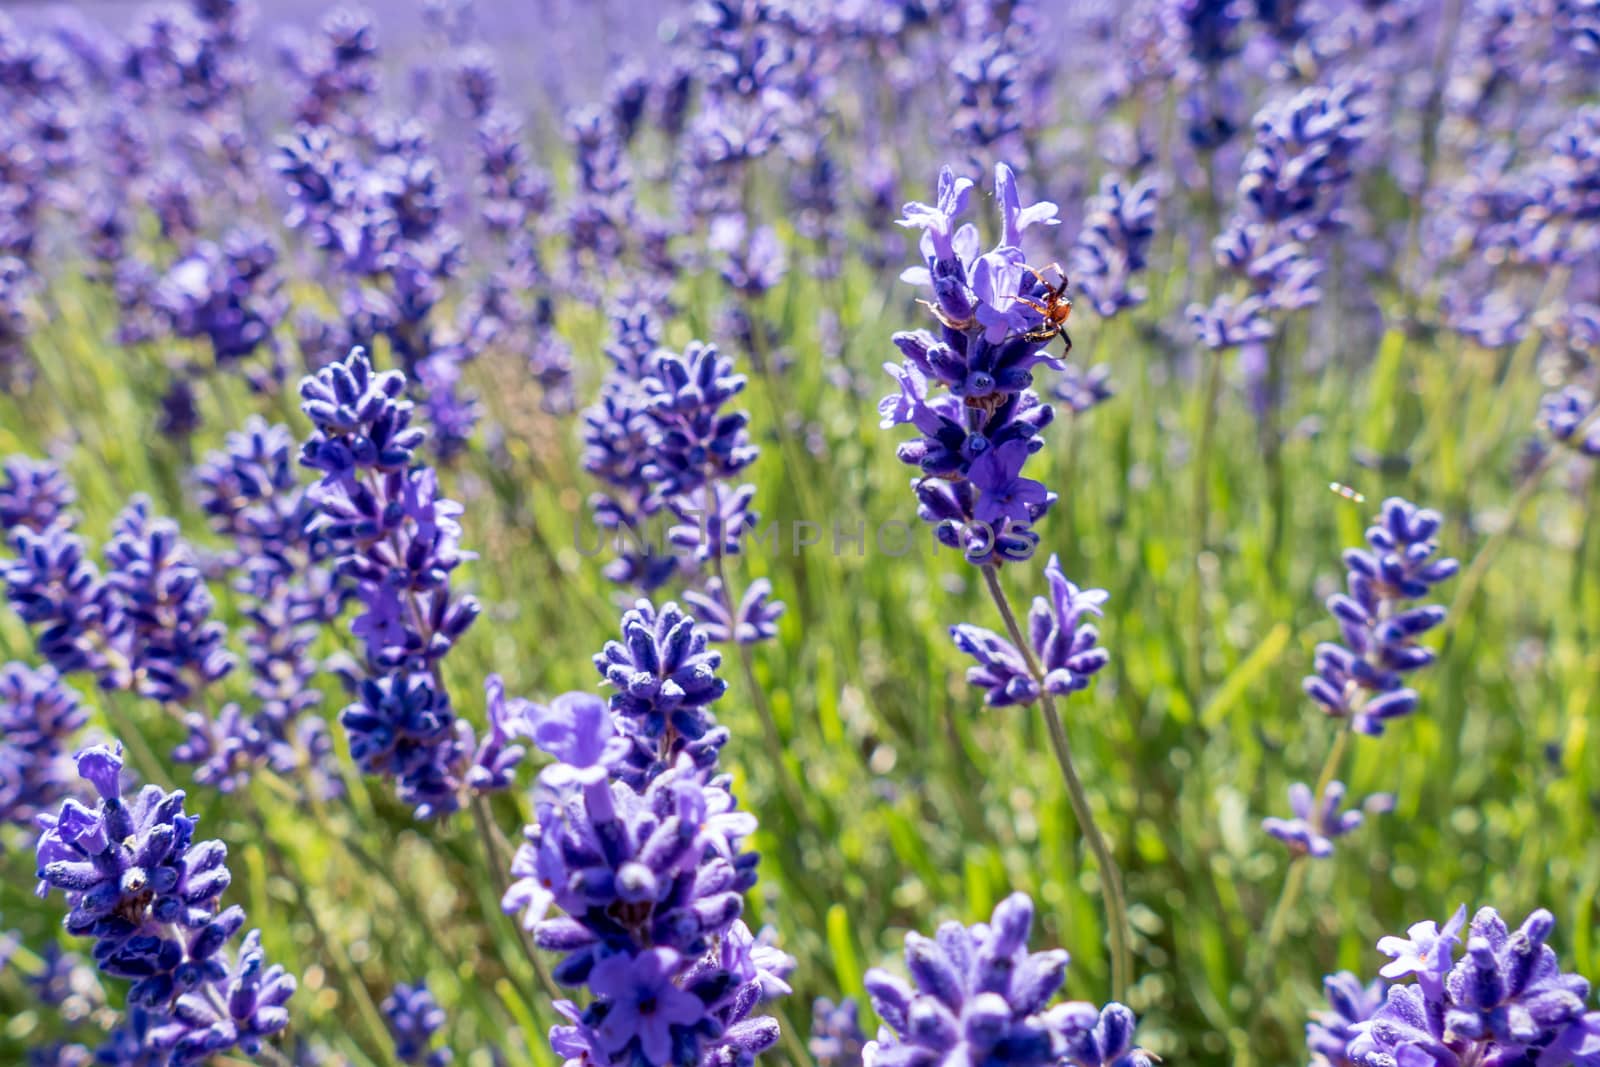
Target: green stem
(758, 697)
(377, 1031)
(1110, 874)
(1295, 883)
(1200, 521)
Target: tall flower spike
(38, 715)
(148, 894)
(1362, 679)
(397, 542)
(638, 844)
(968, 390)
(1114, 244)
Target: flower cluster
(977, 433)
(254, 498)
(1063, 647)
(413, 1017)
(639, 843)
(1568, 416)
(1506, 1001)
(665, 679)
(33, 495)
(977, 995)
(148, 894)
(144, 626)
(1363, 678)
(1290, 193)
(38, 715)
(227, 295)
(662, 437)
(397, 542)
(1114, 244)
(1314, 826)
(836, 1035)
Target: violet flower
(1505, 1001)
(977, 995)
(147, 893)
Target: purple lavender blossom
(1505, 1001)
(38, 716)
(755, 619)
(495, 763)
(1350, 1004)
(1362, 679)
(253, 495)
(227, 295)
(977, 435)
(1065, 647)
(836, 1035)
(138, 884)
(1290, 194)
(397, 541)
(1314, 827)
(33, 494)
(1114, 243)
(166, 643)
(977, 995)
(53, 585)
(1568, 416)
(664, 674)
(662, 436)
(647, 867)
(413, 1018)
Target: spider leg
(1055, 290)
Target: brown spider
(1056, 308)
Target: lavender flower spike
(967, 391)
(138, 884)
(1312, 832)
(1066, 648)
(413, 1017)
(1506, 1001)
(1362, 678)
(978, 996)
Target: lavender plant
(639, 843)
(147, 893)
(977, 995)
(1361, 682)
(1505, 1001)
(202, 201)
(975, 439)
(397, 541)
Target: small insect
(1056, 307)
(1347, 492)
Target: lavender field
(828, 533)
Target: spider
(1056, 308)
